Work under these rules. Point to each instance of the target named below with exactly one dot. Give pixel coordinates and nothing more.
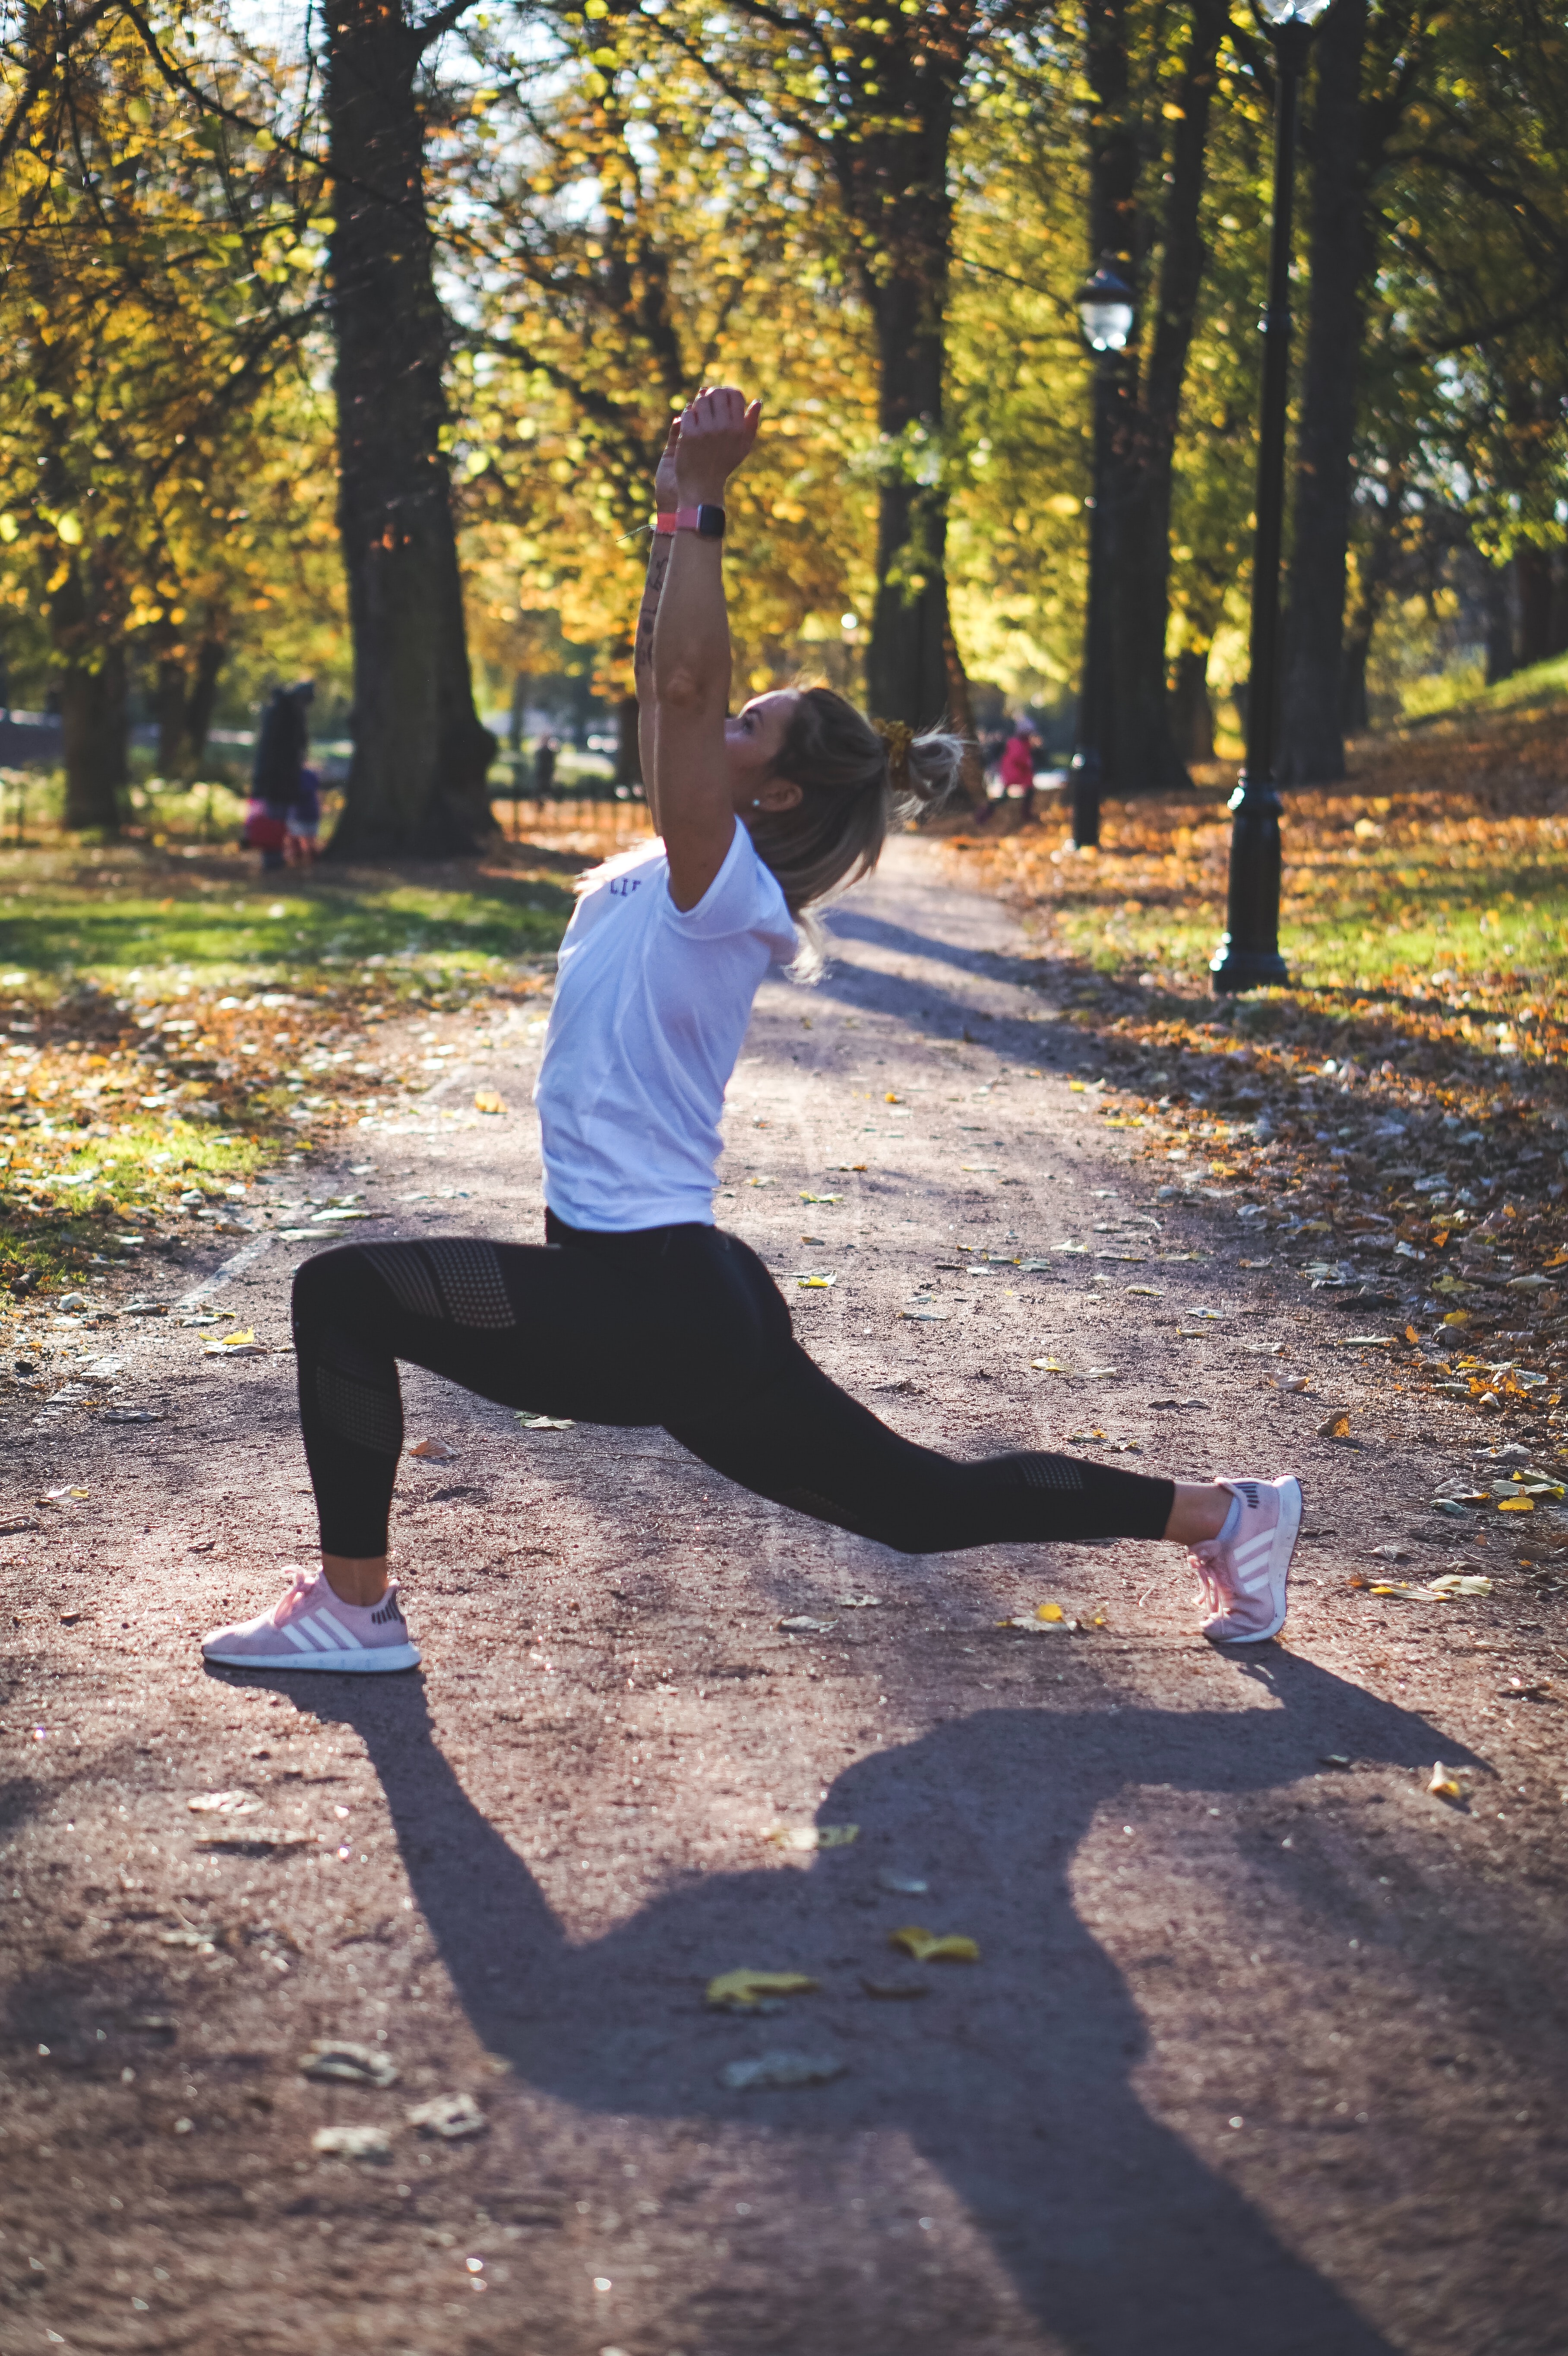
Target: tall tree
(1139, 114)
(417, 782)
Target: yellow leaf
(814, 1836)
(934, 1946)
(1458, 1317)
(1516, 1505)
(486, 1101)
(1048, 1611)
(1048, 1366)
(1333, 1427)
(731, 1990)
(1441, 1786)
(1077, 1087)
(234, 1341)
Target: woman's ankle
(1197, 1512)
(357, 1580)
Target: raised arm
(666, 495)
(691, 788)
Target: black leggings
(678, 1326)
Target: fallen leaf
(353, 2143)
(800, 1623)
(933, 1947)
(1296, 1383)
(356, 2066)
(1048, 1611)
(451, 2116)
(806, 1838)
(1048, 1367)
(857, 1602)
(1334, 1758)
(816, 1198)
(486, 1101)
(1455, 1583)
(1442, 1784)
(224, 1804)
(260, 1841)
(434, 1451)
(1334, 1426)
(739, 1991)
(1516, 1505)
(816, 1282)
(545, 1422)
(1033, 1627)
(781, 2069)
(134, 1415)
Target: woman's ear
(776, 795)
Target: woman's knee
(331, 1285)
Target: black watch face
(711, 523)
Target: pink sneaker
(313, 1628)
(1243, 1577)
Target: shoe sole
(1287, 1531)
(379, 1662)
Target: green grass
(112, 925)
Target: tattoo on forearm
(658, 565)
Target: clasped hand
(708, 443)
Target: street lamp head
(1105, 306)
(1294, 12)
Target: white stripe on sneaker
(346, 1640)
(301, 1644)
(322, 1643)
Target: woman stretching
(636, 1309)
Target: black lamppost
(1105, 308)
(1248, 957)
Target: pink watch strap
(673, 519)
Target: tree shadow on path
(1012, 2079)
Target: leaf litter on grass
(171, 1029)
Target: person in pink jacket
(1015, 767)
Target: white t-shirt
(651, 1005)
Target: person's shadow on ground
(1118, 2237)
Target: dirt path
(1264, 2049)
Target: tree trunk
(1191, 713)
(1134, 727)
(906, 661)
(1495, 606)
(1558, 628)
(1373, 571)
(169, 710)
(417, 783)
(891, 168)
(1312, 744)
(93, 713)
(94, 704)
(1532, 578)
(201, 703)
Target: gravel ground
(1264, 2048)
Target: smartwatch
(707, 523)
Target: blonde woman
(636, 1309)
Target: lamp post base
(1232, 970)
(1087, 779)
